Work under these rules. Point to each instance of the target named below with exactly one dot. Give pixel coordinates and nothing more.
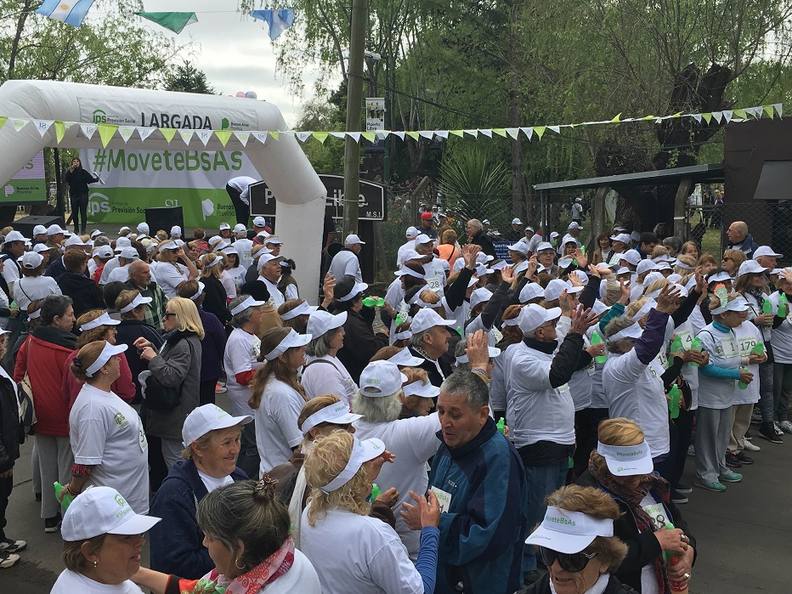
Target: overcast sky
(236, 53)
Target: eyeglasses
(169, 314)
(572, 563)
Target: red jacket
(123, 387)
(44, 363)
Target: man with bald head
(740, 239)
(140, 279)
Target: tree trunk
(20, 26)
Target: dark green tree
(186, 78)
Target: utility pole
(354, 105)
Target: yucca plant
(474, 184)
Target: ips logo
(98, 204)
(99, 116)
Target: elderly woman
(177, 366)
(732, 259)
(294, 313)
(42, 359)
(212, 441)
(215, 296)
(336, 526)
(277, 396)
(103, 541)
(132, 307)
(648, 523)
(246, 531)
(583, 561)
(324, 373)
(106, 434)
(98, 325)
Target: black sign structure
(371, 203)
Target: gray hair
(468, 384)
(320, 346)
(417, 339)
(243, 317)
(101, 240)
(246, 511)
(476, 224)
(459, 350)
(378, 410)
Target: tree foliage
(186, 78)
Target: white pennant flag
(126, 132)
(779, 107)
(382, 134)
(697, 117)
(727, 115)
(528, 132)
(399, 133)
(144, 132)
(242, 137)
(339, 135)
(442, 133)
(204, 136)
(260, 136)
(303, 136)
(428, 134)
(486, 132)
(19, 123)
(556, 129)
(718, 116)
(88, 130)
(513, 132)
(354, 136)
(43, 126)
(473, 133)
(186, 135)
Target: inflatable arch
(299, 193)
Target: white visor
(291, 340)
(102, 320)
(199, 291)
(303, 309)
(249, 302)
(138, 300)
(356, 290)
(336, 414)
(404, 359)
(407, 271)
(362, 452)
(567, 531)
(627, 460)
(631, 331)
(406, 335)
(419, 388)
(108, 352)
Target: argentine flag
(278, 20)
(71, 12)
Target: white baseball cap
(632, 256)
(138, 300)
(751, 267)
(224, 226)
(105, 252)
(545, 245)
(246, 304)
(353, 239)
(622, 238)
(42, 247)
(321, 322)
(479, 296)
(143, 228)
(532, 316)
(381, 378)
(422, 239)
(123, 242)
(739, 305)
(516, 221)
(103, 320)
(290, 341)
(568, 532)
(557, 286)
(627, 460)
(492, 353)
(239, 227)
(102, 510)
(266, 258)
(124, 230)
(412, 233)
(362, 452)
(96, 233)
(721, 276)
(259, 222)
(129, 253)
(274, 240)
(520, 246)
(531, 291)
(15, 236)
(31, 260)
(39, 230)
(335, 414)
(645, 266)
(762, 250)
(206, 418)
(73, 240)
(573, 226)
(404, 358)
(168, 245)
(55, 230)
(356, 290)
(427, 318)
(422, 389)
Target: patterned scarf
(266, 572)
(632, 499)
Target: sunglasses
(572, 563)
(168, 314)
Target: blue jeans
(542, 480)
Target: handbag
(27, 410)
(157, 396)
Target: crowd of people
(488, 426)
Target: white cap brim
(558, 541)
(405, 359)
(627, 460)
(135, 524)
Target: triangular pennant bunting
(186, 135)
(144, 132)
(528, 132)
(707, 117)
(556, 129)
(3, 121)
(204, 136)
(167, 133)
(718, 115)
(106, 133)
(779, 109)
(399, 134)
(499, 132)
(19, 124)
(768, 109)
(89, 130)
(459, 133)
(223, 136)
(540, 130)
(260, 136)
(303, 136)
(428, 134)
(413, 135)
(513, 132)
(342, 135)
(274, 134)
(740, 113)
(370, 136)
(486, 132)
(60, 130)
(727, 115)
(697, 117)
(126, 132)
(473, 133)
(242, 137)
(42, 126)
(616, 119)
(354, 136)
(442, 134)
(320, 136)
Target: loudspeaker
(25, 224)
(164, 217)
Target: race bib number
(727, 347)
(443, 499)
(657, 513)
(687, 340)
(746, 345)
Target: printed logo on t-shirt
(120, 420)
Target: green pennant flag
(274, 134)
(320, 136)
(168, 133)
(370, 136)
(768, 109)
(3, 120)
(616, 119)
(539, 130)
(499, 131)
(413, 135)
(740, 113)
(223, 136)
(707, 117)
(173, 21)
(60, 130)
(460, 133)
(106, 133)
(648, 118)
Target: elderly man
(740, 239)
(516, 232)
(265, 287)
(407, 246)
(476, 235)
(13, 248)
(140, 279)
(480, 483)
(345, 262)
(429, 342)
(173, 268)
(767, 257)
(433, 266)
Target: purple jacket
(212, 346)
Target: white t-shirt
(748, 336)
(414, 442)
(31, 288)
(690, 372)
(782, 335)
(70, 582)
(715, 392)
(330, 377)
(435, 274)
(276, 424)
(10, 272)
(169, 276)
(241, 354)
(276, 297)
(228, 281)
(346, 263)
(211, 483)
(301, 577)
(535, 411)
(111, 264)
(119, 274)
(242, 185)
(402, 252)
(244, 246)
(360, 554)
(107, 434)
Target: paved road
(743, 535)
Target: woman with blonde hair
(215, 296)
(731, 261)
(648, 522)
(336, 527)
(177, 369)
(449, 248)
(278, 397)
(583, 563)
(98, 325)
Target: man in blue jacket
(480, 483)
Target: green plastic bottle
(375, 492)
(674, 398)
(676, 344)
(767, 306)
(372, 301)
(741, 384)
(67, 498)
(596, 340)
(501, 425)
(783, 306)
(759, 349)
(696, 346)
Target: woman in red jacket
(42, 357)
(97, 325)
